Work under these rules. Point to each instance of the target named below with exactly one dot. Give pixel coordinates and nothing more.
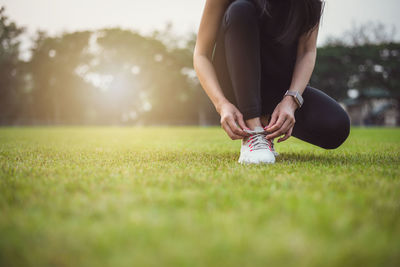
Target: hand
(282, 119)
(230, 119)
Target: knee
(240, 11)
(339, 130)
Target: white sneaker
(273, 148)
(256, 148)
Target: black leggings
(255, 72)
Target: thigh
(321, 120)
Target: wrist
(296, 96)
(218, 104)
(289, 100)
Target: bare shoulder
(210, 21)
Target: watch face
(297, 101)
(299, 98)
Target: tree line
(120, 77)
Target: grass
(177, 197)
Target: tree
(370, 33)
(59, 94)
(163, 92)
(11, 95)
(366, 56)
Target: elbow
(194, 58)
(195, 62)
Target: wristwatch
(297, 97)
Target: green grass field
(178, 197)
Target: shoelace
(258, 141)
(271, 143)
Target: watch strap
(297, 97)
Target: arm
(306, 56)
(206, 37)
(282, 119)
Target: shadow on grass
(288, 158)
(339, 159)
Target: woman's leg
(321, 121)
(242, 52)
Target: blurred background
(129, 62)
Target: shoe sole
(241, 161)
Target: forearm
(208, 79)
(283, 119)
(303, 70)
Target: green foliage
(11, 95)
(59, 95)
(161, 82)
(177, 197)
(340, 67)
(115, 76)
(70, 75)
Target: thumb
(240, 121)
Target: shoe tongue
(258, 129)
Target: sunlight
(102, 82)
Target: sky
(56, 16)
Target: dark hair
(303, 16)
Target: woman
(254, 59)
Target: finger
(286, 126)
(283, 129)
(240, 121)
(273, 119)
(278, 124)
(287, 135)
(234, 128)
(228, 130)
